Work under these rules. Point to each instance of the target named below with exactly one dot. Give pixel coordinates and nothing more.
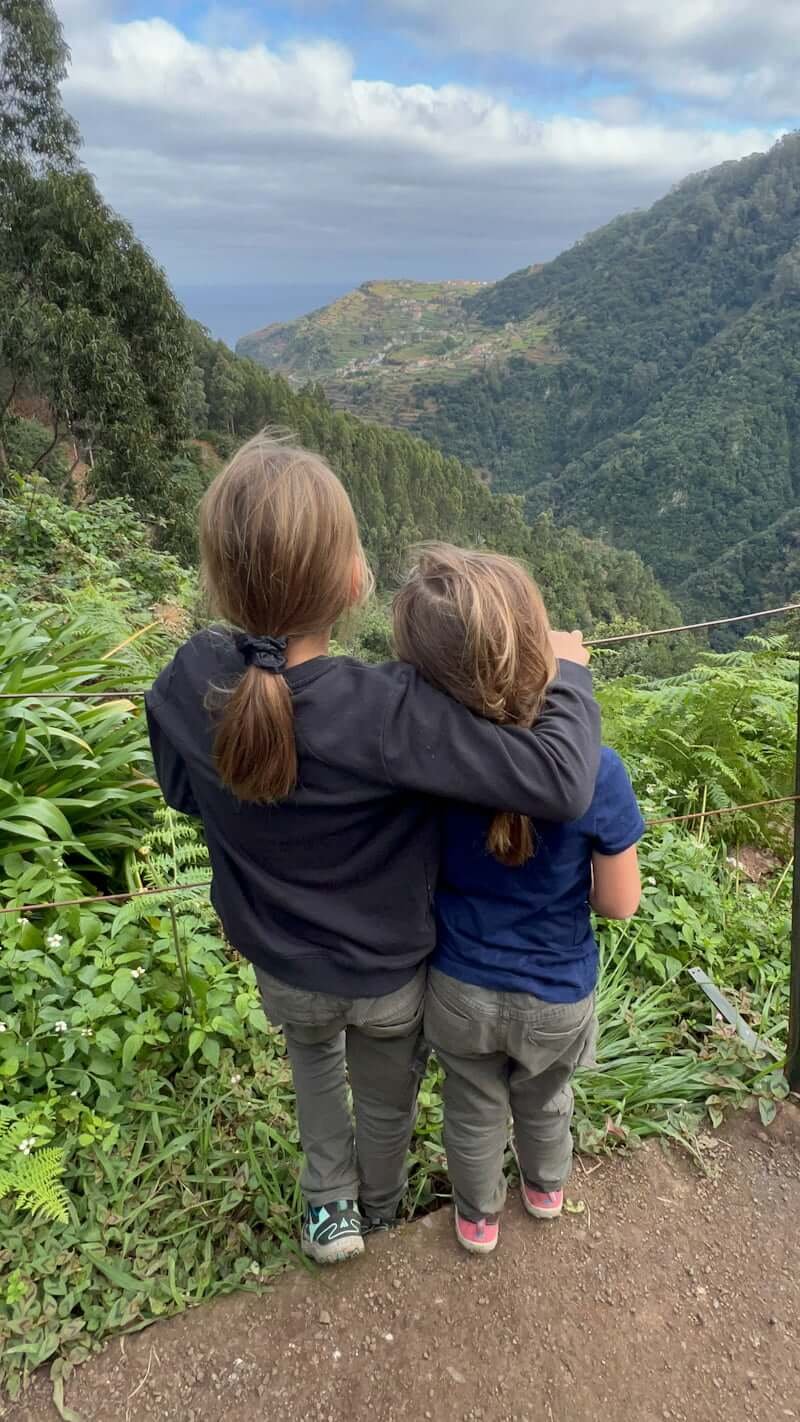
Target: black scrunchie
(266, 653)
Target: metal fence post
(793, 1049)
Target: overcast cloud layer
(739, 54)
(268, 163)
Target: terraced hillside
(369, 348)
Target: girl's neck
(303, 649)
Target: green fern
(176, 854)
(720, 735)
(34, 1176)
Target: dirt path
(671, 1296)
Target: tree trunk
(45, 454)
(12, 392)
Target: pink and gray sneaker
(542, 1204)
(478, 1236)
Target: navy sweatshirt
(332, 889)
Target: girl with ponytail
(319, 782)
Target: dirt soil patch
(672, 1295)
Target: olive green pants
(376, 1041)
(505, 1054)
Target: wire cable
(125, 895)
(127, 693)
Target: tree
(34, 127)
(88, 321)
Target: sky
(273, 155)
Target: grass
(188, 1188)
(133, 1040)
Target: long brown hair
(476, 627)
(281, 557)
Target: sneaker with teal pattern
(332, 1232)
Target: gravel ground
(673, 1294)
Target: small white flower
(87, 1032)
(27, 1145)
(650, 879)
(60, 1026)
(236, 1078)
(3, 1027)
(54, 940)
(137, 972)
(73, 1093)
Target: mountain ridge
(641, 386)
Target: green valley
(370, 348)
(642, 386)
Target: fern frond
(37, 1181)
(177, 854)
(12, 1132)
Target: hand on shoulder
(569, 647)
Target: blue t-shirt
(529, 929)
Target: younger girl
(510, 1002)
(314, 778)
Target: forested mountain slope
(405, 490)
(131, 399)
(642, 386)
(371, 347)
(669, 424)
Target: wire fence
(694, 626)
(159, 890)
(127, 693)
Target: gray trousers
(377, 1042)
(505, 1053)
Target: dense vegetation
(370, 347)
(403, 490)
(668, 422)
(132, 1041)
(642, 386)
(148, 1146)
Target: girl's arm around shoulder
(616, 830)
(433, 744)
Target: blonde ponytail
(281, 558)
(510, 838)
(254, 747)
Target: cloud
(740, 53)
(260, 165)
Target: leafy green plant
(719, 735)
(99, 560)
(74, 773)
(133, 1035)
(30, 1172)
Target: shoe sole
(536, 1213)
(332, 1253)
(474, 1248)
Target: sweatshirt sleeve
(433, 744)
(171, 770)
